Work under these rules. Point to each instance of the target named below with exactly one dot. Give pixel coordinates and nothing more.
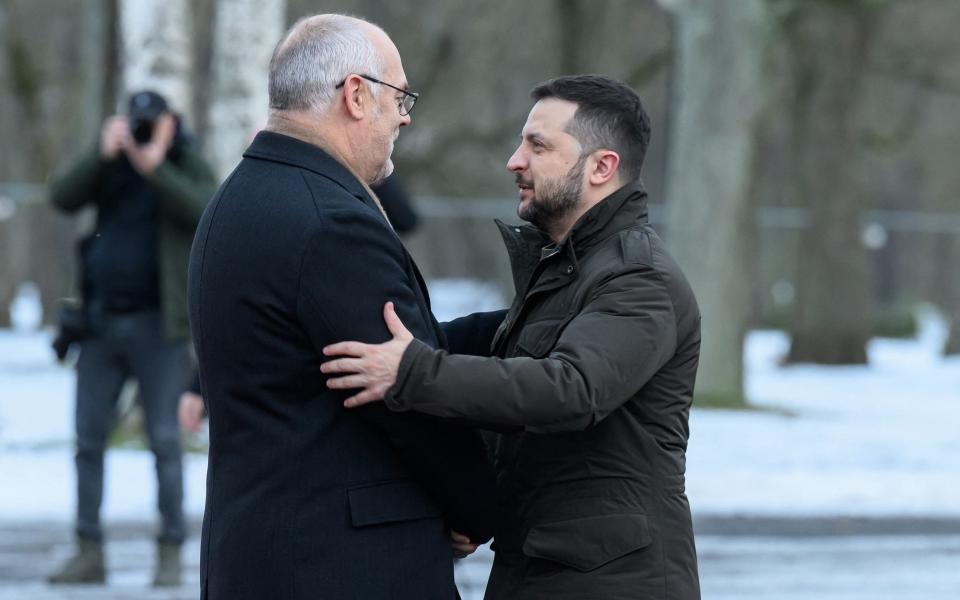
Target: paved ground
(29, 551)
(755, 558)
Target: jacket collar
(527, 246)
(277, 147)
(615, 212)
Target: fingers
(113, 136)
(459, 537)
(164, 130)
(463, 550)
(347, 382)
(365, 397)
(190, 412)
(345, 349)
(115, 123)
(342, 365)
(394, 324)
(461, 545)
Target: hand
(190, 411)
(146, 158)
(372, 368)
(114, 136)
(462, 547)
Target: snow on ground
(880, 440)
(36, 435)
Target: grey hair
(318, 53)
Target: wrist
(395, 399)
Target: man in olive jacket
(592, 370)
(306, 500)
(149, 187)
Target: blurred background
(803, 171)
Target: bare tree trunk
(245, 33)
(50, 110)
(157, 50)
(952, 346)
(829, 48)
(719, 48)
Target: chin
(385, 171)
(526, 211)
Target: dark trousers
(119, 347)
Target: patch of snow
(874, 440)
(452, 298)
(26, 309)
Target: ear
(605, 163)
(353, 97)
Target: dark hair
(609, 115)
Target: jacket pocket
(587, 543)
(389, 502)
(539, 338)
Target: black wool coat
(306, 499)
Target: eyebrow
(534, 137)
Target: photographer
(149, 187)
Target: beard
(555, 198)
(385, 171)
(385, 141)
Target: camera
(145, 108)
(141, 130)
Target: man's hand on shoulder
(371, 368)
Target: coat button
(569, 269)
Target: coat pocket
(389, 502)
(539, 338)
(587, 543)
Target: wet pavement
(740, 558)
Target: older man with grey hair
(305, 499)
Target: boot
(168, 565)
(85, 566)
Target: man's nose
(405, 120)
(517, 162)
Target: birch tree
(716, 98)
(158, 50)
(245, 33)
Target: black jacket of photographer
(136, 257)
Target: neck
(314, 130)
(559, 230)
(297, 125)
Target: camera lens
(142, 131)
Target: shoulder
(643, 253)
(636, 255)
(641, 245)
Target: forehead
(388, 51)
(549, 117)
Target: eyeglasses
(406, 102)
